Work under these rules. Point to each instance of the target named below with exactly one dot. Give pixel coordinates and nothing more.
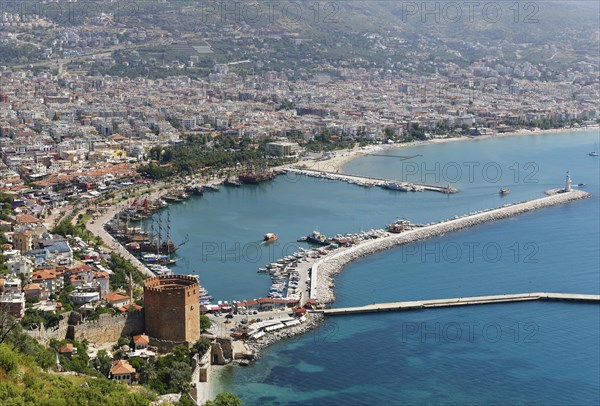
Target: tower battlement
(172, 307)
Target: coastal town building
(283, 148)
(122, 372)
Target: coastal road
(97, 228)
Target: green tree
(200, 347)
(224, 399)
(180, 376)
(205, 322)
(102, 363)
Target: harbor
(323, 271)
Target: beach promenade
(323, 270)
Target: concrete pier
(367, 180)
(323, 270)
(463, 301)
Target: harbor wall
(323, 271)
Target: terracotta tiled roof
(42, 275)
(141, 339)
(115, 297)
(121, 367)
(67, 348)
(26, 218)
(129, 307)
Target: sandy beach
(341, 157)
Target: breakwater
(367, 181)
(321, 286)
(461, 301)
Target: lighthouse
(568, 183)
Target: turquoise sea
(527, 353)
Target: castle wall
(107, 329)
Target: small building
(299, 311)
(131, 307)
(117, 299)
(35, 291)
(67, 350)
(122, 372)
(13, 303)
(267, 304)
(141, 342)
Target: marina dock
(367, 181)
(462, 301)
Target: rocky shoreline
(324, 270)
(313, 320)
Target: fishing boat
(232, 182)
(210, 188)
(194, 190)
(172, 198)
(317, 238)
(504, 191)
(153, 258)
(398, 226)
(249, 178)
(270, 237)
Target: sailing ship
(162, 249)
(254, 177)
(595, 151)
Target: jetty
(461, 301)
(366, 180)
(323, 270)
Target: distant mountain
(302, 34)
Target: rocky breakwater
(323, 271)
(312, 320)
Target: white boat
(595, 151)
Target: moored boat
(317, 238)
(270, 237)
(232, 182)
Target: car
(255, 312)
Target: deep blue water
(526, 353)
(377, 359)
